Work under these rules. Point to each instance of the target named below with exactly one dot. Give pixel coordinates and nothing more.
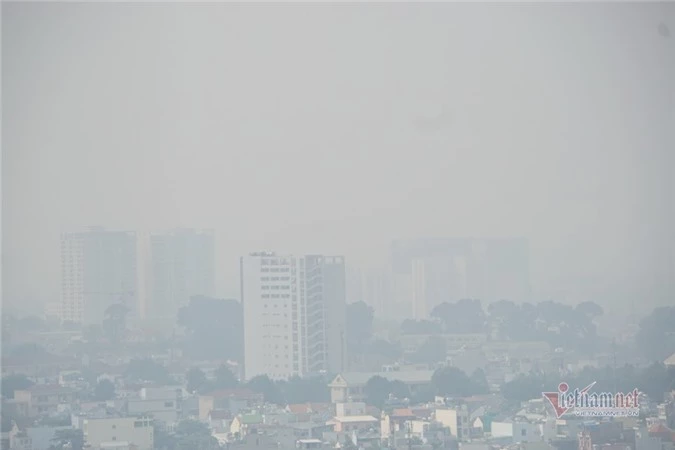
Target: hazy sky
(336, 129)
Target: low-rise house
(245, 424)
(219, 420)
(662, 432)
(44, 399)
(395, 421)
(269, 438)
(20, 441)
(309, 444)
(160, 403)
(350, 409)
(456, 420)
(41, 437)
(353, 423)
(306, 412)
(136, 431)
(233, 400)
(517, 430)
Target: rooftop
(352, 419)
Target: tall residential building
(182, 265)
(428, 272)
(372, 286)
(294, 314)
(98, 269)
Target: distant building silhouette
(181, 265)
(427, 272)
(98, 269)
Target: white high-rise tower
(294, 314)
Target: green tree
(147, 370)
(525, 387)
(656, 380)
(656, 336)
(377, 390)
(72, 439)
(479, 382)
(270, 391)
(452, 382)
(196, 379)
(410, 326)
(309, 389)
(104, 390)
(465, 316)
(399, 389)
(224, 378)
(11, 383)
(193, 435)
(589, 309)
(432, 351)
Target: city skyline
(354, 226)
(316, 145)
(172, 266)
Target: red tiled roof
(402, 412)
(300, 408)
(659, 428)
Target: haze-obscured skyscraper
(294, 314)
(428, 272)
(98, 269)
(182, 265)
(372, 286)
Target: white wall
(501, 429)
(271, 345)
(123, 429)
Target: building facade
(105, 431)
(182, 265)
(294, 314)
(98, 269)
(428, 272)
